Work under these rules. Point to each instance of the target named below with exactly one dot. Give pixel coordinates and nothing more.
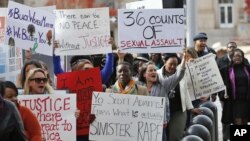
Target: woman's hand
(196, 111)
(77, 113)
(91, 118)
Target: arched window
(226, 13)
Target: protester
(179, 99)
(200, 45)
(37, 82)
(158, 86)
(30, 122)
(11, 126)
(223, 62)
(157, 59)
(25, 69)
(125, 84)
(236, 100)
(140, 59)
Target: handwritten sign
(83, 83)
(203, 77)
(151, 31)
(3, 13)
(10, 62)
(126, 117)
(30, 28)
(83, 31)
(145, 4)
(55, 113)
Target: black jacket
(11, 126)
(224, 61)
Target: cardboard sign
(145, 4)
(10, 62)
(30, 28)
(124, 117)
(83, 31)
(55, 113)
(83, 83)
(203, 77)
(151, 30)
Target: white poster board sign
(151, 30)
(30, 28)
(126, 117)
(55, 113)
(10, 62)
(3, 14)
(83, 31)
(203, 77)
(146, 4)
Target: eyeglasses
(39, 80)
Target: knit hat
(200, 36)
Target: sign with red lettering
(151, 30)
(83, 83)
(55, 113)
(124, 117)
(82, 31)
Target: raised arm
(108, 69)
(170, 82)
(57, 65)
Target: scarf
(129, 89)
(232, 79)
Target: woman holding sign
(30, 122)
(236, 100)
(160, 87)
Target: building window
(226, 13)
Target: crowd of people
(155, 74)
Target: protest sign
(10, 62)
(82, 31)
(145, 4)
(83, 83)
(55, 113)
(126, 117)
(203, 77)
(3, 13)
(151, 30)
(30, 28)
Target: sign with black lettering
(239, 132)
(83, 83)
(203, 77)
(30, 28)
(82, 31)
(121, 117)
(151, 30)
(55, 113)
